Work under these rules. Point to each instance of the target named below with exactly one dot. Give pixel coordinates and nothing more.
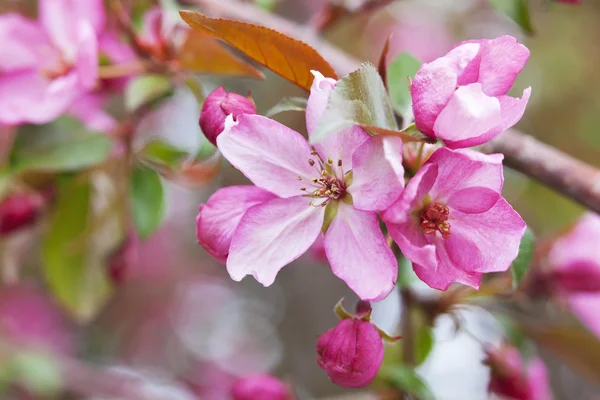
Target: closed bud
(217, 106)
(18, 211)
(263, 387)
(351, 353)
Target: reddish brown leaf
(382, 66)
(288, 57)
(406, 137)
(202, 53)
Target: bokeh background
(178, 321)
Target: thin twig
(553, 168)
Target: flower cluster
(450, 220)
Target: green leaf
(63, 145)
(407, 380)
(424, 342)
(517, 10)
(521, 264)
(147, 201)
(5, 178)
(288, 104)
(146, 89)
(37, 371)
(330, 212)
(80, 286)
(161, 153)
(403, 67)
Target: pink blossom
(575, 270)
(461, 97)
(351, 353)
(306, 183)
(264, 387)
(18, 211)
(451, 219)
(511, 379)
(49, 63)
(217, 106)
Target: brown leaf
(287, 57)
(406, 137)
(382, 66)
(202, 53)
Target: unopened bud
(19, 211)
(264, 387)
(351, 353)
(217, 106)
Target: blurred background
(174, 320)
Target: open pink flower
(452, 222)
(47, 64)
(575, 268)
(349, 174)
(461, 97)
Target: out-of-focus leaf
(517, 10)
(62, 145)
(556, 330)
(147, 200)
(36, 371)
(521, 264)
(288, 104)
(424, 342)
(145, 89)
(403, 67)
(407, 380)
(5, 177)
(160, 153)
(267, 5)
(81, 288)
(288, 57)
(202, 53)
(360, 99)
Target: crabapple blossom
(351, 353)
(49, 63)
(513, 378)
(264, 386)
(338, 187)
(575, 270)
(461, 97)
(217, 106)
(452, 222)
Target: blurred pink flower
(511, 379)
(272, 234)
(451, 217)
(575, 270)
(88, 108)
(19, 210)
(49, 63)
(264, 387)
(29, 318)
(217, 106)
(461, 97)
(351, 353)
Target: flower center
(61, 68)
(329, 184)
(434, 218)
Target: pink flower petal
(473, 200)
(461, 169)
(359, 255)
(340, 145)
(270, 154)
(586, 306)
(151, 33)
(24, 43)
(378, 174)
(87, 56)
(502, 59)
(435, 82)
(271, 235)
(89, 110)
(468, 114)
(473, 244)
(218, 218)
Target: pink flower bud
(264, 387)
(18, 211)
(217, 106)
(351, 353)
(512, 379)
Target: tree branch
(547, 165)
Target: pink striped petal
(359, 255)
(271, 235)
(502, 59)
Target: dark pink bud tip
(18, 211)
(217, 106)
(264, 387)
(351, 353)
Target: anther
(299, 177)
(329, 160)
(339, 163)
(311, 162)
